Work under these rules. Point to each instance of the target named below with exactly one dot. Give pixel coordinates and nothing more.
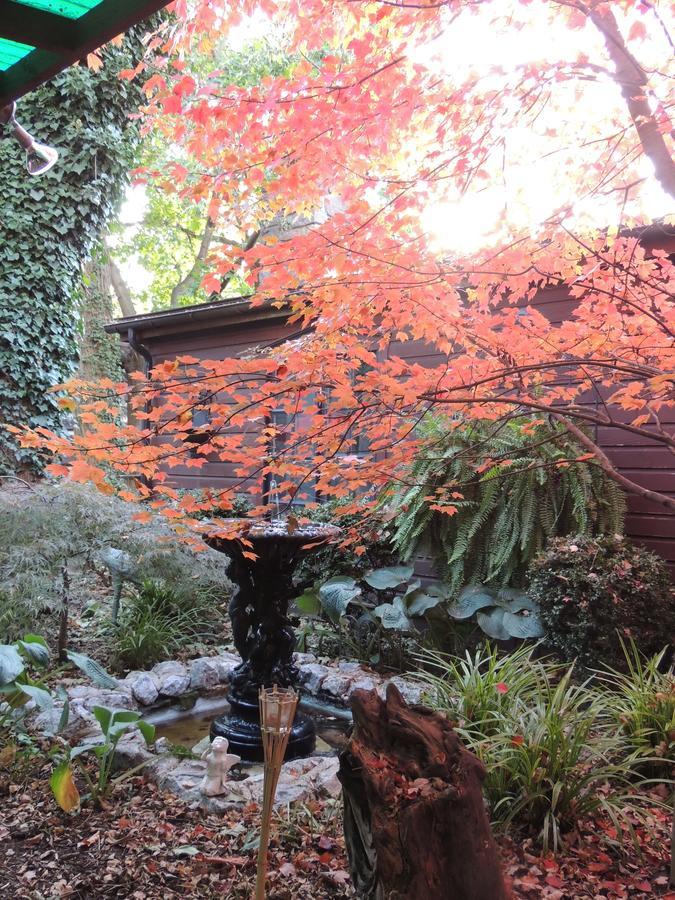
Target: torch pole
(277, 713)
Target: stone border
(170, 680)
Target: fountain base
(241, 727)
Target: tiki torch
(277, 713)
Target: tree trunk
(415, 821)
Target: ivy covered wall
(48, 227)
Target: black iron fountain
(264, 557)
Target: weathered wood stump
(415, 821)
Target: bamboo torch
(277, 713)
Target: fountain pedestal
(264, 556)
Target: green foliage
(374, 537)
(553, 755)
(167, 241)
(501, 614)
(114, 725)
(49, 226)
(592, 593)
(371, 616)
(63, 523)
(155, 623)
(641, 702)
(512, 489)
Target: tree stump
(416, 827)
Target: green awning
(39, 38)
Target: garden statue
(122, 568)
(218, 764)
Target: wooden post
(416, 827)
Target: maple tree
(367, 129)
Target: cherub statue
(218, 764)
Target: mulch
(145, 845)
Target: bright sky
(533, 184)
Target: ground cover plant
(557, 749)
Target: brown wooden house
(228, 328)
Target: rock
(364, 683)
(226, 663)
(132, 751)
(351, 667)
(202, 745)
(162, 745)
(183, 780)
(204, 674)
(174, 679)
(312, 675)
(145, 689)
(337, 686)
(411, 691)
(301, 659)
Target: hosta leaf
(11, 664)
(492, 623)
(35, 648)
(92, 670)
(393, 615)
(471, 598)
(336, 595)
(63, 787)
(420, 601)
(523, 625)
(43, 698)
(388, 577)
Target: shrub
(512, 486)
(154, 624)
(592, 593)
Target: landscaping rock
(350, 667)
(226, 663)
(301, 659)
(204, 674)
(145, 688)
(411, 691)
(364, 683)
(132, 751)
(336, 686)
(312, 675)
(174, 679)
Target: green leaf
(388, 577)
(147, 730)
(63, 787)
(11, 664)
(309, 603)
(35, 649)
(43, 698)
(523, 624)
(420, 601)
(93, 670)
(103, 716)
(393, 615)
(492, 623)
(336, 595)
(471, 598)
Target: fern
(521, 485)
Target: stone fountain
(264, 556)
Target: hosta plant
(501, 614)
(385, 603)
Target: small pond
(188, 726)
